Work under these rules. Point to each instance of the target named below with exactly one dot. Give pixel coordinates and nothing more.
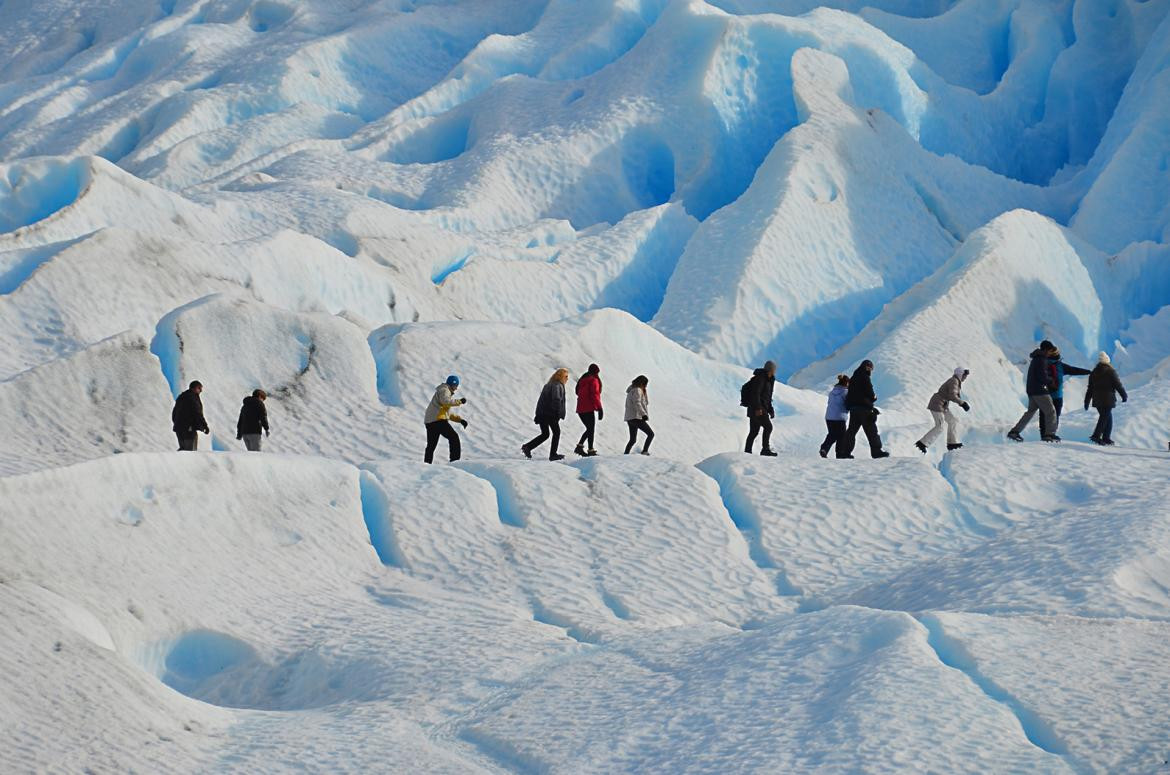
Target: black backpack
(745, 392)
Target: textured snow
(344, 202)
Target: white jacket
(637, 403)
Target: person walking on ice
(756, 396)
(1104, 387)
(940, 408)
(861, 401)
(1060, 370)
(438, 419)
(589, 408)
(836, 415)
(1041, 381)
(253, 419)
(187, 418)
(550, 410)
(638, 413)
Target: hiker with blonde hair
(550, 410)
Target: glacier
(343, 202)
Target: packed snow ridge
(343, 203)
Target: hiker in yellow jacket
(439, 417)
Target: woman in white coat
(638, 413)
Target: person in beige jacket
(950, 392)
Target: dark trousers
(1104, 429)
(589, 420)
(1058, 405)
(860, 418)
(635, 426)
(547, 428)
(835, 435)
(757, 423)
(434, 431)
(188, 443)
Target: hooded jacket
(950, 392)
(1104, 385)
(860, 393)
(760, 395)
(588, 394)
(1041, 377)
(551, 404)
(1060, 370)
(253, 417)
(442, 402)
(187, 416)
(836, 410)
(637, 403)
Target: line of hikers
(852, 408)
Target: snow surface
(344, 202)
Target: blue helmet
(453, 381)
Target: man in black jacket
(759, 408)
(1040, 384)
(187, 417)
(861, 402)
(253, 419)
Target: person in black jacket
(1104, 387)
(187, 417)
(253, 419)
(1060, 370)
(759, 408)
(550, 410)
(861, 402)
(1040, 384)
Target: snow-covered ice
(343, 203)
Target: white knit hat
(1102, 357)
(959, 372)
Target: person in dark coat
(759, 408)
(861, 401)
(1060, 370)
(187, 417)
(589, 408)
(1104, 387)
(1040, 384)
(253, 420)
(550, 410)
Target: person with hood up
(1060, 370)
(253, 419)
(589, 408)
(1041, 381)
(836, 415)
(550, 410)
(638, 413)
(187, 417)
(861, 401)
(438, 419)
(756, 396)
(949, 393)
(1104, 387)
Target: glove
(600, 414)
(463, 422)
(1086, 406)
(462, 401)
(772, 413)
(1124, 399)
(966, 406)
(876, 412)
(645, 418)
(266, 433)
(239, 436)
(206, 430)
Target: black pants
(589, 420)
(1104, 429)
(1058, 404)
(547, 428)
(635, 426)
(188, 443)
(835, 435)
(861, 418)
(434, 431)
(757, 423)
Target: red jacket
(588, 393)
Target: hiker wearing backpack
(950, 392)
(550, 410)
(253, 419)
(1059, 370)
(438, 418)
(1041, 382)
(756, 396)
(836, 415)
(1104, 387)
(589, 408)
(861, 401)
